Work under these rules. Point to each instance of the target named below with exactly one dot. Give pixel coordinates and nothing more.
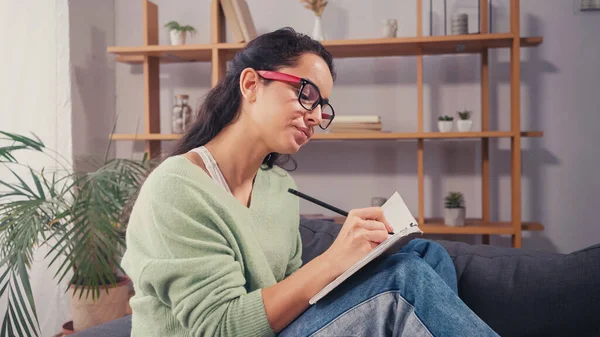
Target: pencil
(321, 203)
(318, 202)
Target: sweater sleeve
(192, 269)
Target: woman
(213, 245)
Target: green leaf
(6, 326)
(24, 275)
(38, 184)
(19, 307)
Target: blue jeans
(412, 292)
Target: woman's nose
(313, 117)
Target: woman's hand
(363, 230)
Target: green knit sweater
(198, 258)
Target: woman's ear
(249, 83)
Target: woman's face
(282, 123)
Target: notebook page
(404, 224)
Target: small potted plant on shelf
(178, 33)
(454, 209)
(445, 123)
(464, 123)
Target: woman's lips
(301, 135)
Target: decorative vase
(378, 201)
(460, 24)
(181, 114)
(464, 125)
(111, 305)
(317, 33)
(445, 126)
(390, 28)
(177, 37)
(454, 216)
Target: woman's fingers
(377, 236)
(372, 213)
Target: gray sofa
(518, 292)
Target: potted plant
(78, 215)
(454, 209)
(178, 33)
(464, 123)
(445, 123)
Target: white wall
(93, 77)
(57, 82)
(558, 81)
(35, 97)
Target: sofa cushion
(317, 236)
(523, 292)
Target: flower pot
(177, 37)
(107, 307)
(445, 126)
(454, 216)
(464, 125)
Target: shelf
(421, 135)
(471, 227)
(362, 135)
(476, 226)
(377, 47)
(166, 53)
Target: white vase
(464, 125)
(445, 126)
(317, 33)
(454, 216)
(390, 28)
(177, 37)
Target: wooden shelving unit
(150, 55)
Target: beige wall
(558, 80)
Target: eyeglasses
(309, 95)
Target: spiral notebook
(405, 229)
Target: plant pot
(177, 37)
(107, 307)
(454, 216)
(445, 126)
(464, 125)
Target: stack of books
(351, 124)
(239, 20)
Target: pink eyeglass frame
(279, 76)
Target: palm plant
(77, 213)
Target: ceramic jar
(181, 114)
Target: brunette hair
(270, 51)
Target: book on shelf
(356, 119)
(356, 124)
(405, 229)
(239, 20)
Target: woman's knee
(406, 266)
(425, 249)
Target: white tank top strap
(212, 167)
